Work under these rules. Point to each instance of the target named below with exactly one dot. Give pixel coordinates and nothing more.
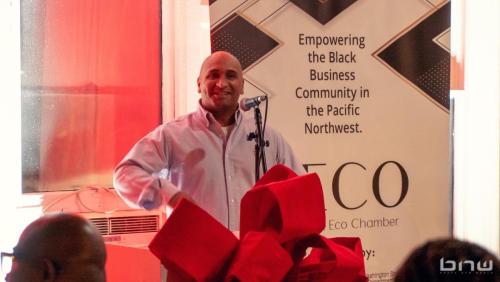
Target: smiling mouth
(223, 94)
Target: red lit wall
(101, 85)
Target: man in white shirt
(204, 156)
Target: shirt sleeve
(285, 153)
(138, 177)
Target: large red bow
(281, 217)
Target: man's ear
(199, 84)
(49, 271)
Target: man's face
(25, 268)
(220, 83)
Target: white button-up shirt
(193, 155)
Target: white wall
(476, 194)
(10, 121)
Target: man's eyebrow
(213, 70)
(232, 71)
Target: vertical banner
(360, 91)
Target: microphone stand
(260, 144)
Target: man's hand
(174, 201)
(151, 200)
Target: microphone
(247, 103)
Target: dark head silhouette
(59, 247)
(449, 260)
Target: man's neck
(225, 119)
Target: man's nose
(222, 82)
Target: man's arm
(286, 155)
(138, 177)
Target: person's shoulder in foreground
(59, 247)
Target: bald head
(224, 55)
(220, 85)
(59, 247)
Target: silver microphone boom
(248, 103)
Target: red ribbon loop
(281, 216)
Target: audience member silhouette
(59, 247)
(449, 260)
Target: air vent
(102, 225)
(126, 225)
(134, 224)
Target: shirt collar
(208, 119)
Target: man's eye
(212, 76)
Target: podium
(132, 263)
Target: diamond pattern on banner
(416, 56)
(444, 40)
(431, 81)
(242, 39)
(435, 2)
(323, 10)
